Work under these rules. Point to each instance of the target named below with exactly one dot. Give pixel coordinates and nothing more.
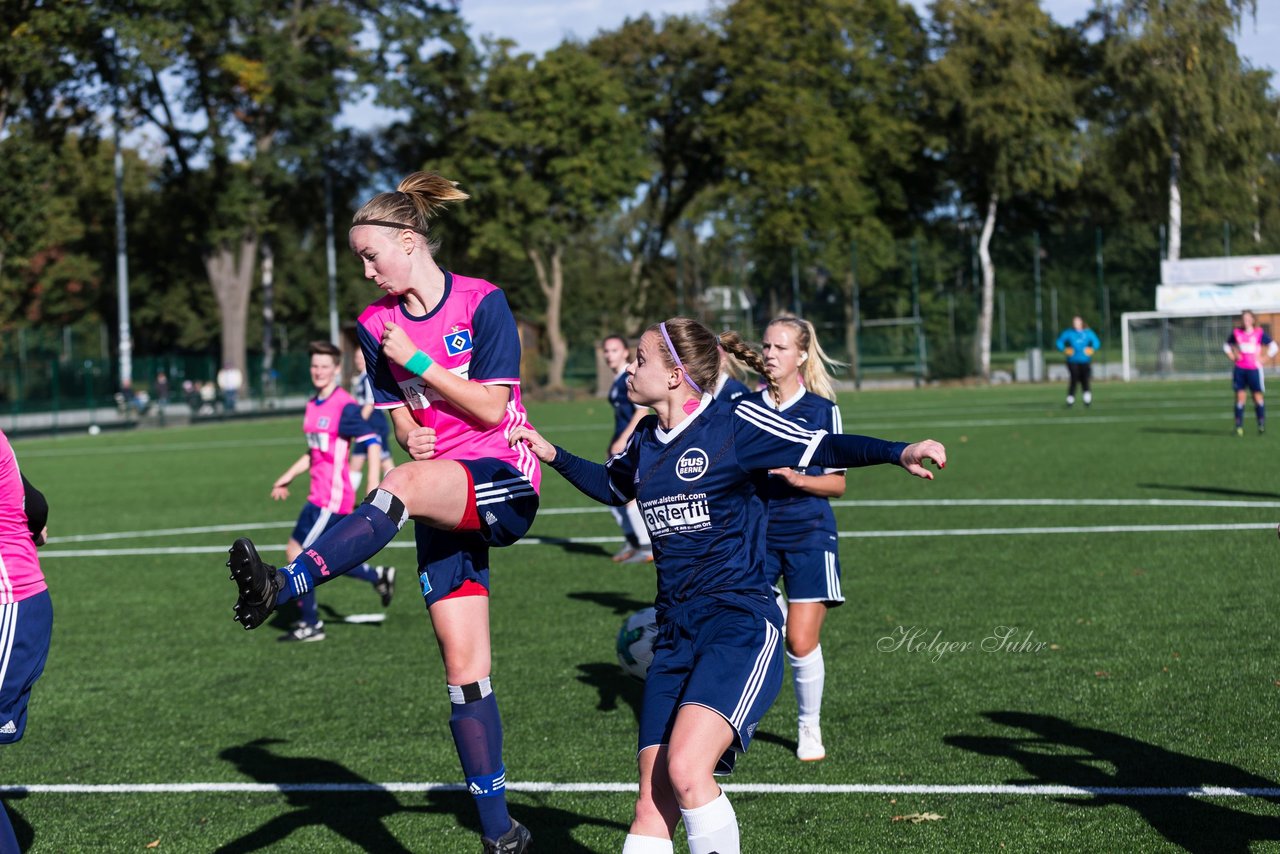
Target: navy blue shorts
(370, 446)
(1245, 378)
(312, 522)
(811, 575)
(25, 630)
(718, 654)
(506, 505)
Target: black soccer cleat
(386, 583)
(515, 841)
(258, 583)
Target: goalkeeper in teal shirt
(1079, 343)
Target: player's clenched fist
(421, 443)
(396, 344)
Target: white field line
(757, 788)
(542, 541)
(573, 511)
(852, 419)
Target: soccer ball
(635, 642)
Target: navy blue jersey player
(626, 415)
(717, 666)
(801, 545)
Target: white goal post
(1174, 345)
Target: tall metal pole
(679, 278)
(1039, 304)
(795, 283)
(1101, 286)
(915, 310)
(122, 241)
(857, 317)
(331, 257)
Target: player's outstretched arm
(914, 456)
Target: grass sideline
(1157, 670)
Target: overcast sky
(536, 25)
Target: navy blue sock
(477, 733)
(348, 544)
(8, 839)
(310, 614)
(364, 572)
(1239, 414)
(1260, 410)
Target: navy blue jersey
(623, 409)
(695, 486)
(730, 390)
(797, 519)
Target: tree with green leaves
(673, 74)
(45, 56)
(1008, 111)
(1182, 111)
(549, 151)
(245, 94)
(822, 131)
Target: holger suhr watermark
(919, 639)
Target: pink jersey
(20, 575)
(331, 425)
(1249, 344)
(472, 333)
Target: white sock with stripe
(810, 675)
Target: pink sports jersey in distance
(329, 439)
(1249, 344)
(20, 575)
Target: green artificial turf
(1130, 659)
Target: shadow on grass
(552, 828)
(25, 833)
(1058, 752)
(621, 604)
(1218, 432)
(354, 815)
(1211, 490)
(565, 543)
(612, 685)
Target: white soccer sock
(712, 828)
(1088, 398)
(646, 845)
(809, 674)
(638, 527)
(1071, 398)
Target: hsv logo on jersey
(323, 422)
(458, 341)
(692, 464)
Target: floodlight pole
(1035, 266)
(122, 239)
(795, 283)
(331, 256)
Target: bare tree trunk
(1175, 202)
(850, 324)
(551, 283)
(988, 290)
(230, 270)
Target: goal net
(1164, 345)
